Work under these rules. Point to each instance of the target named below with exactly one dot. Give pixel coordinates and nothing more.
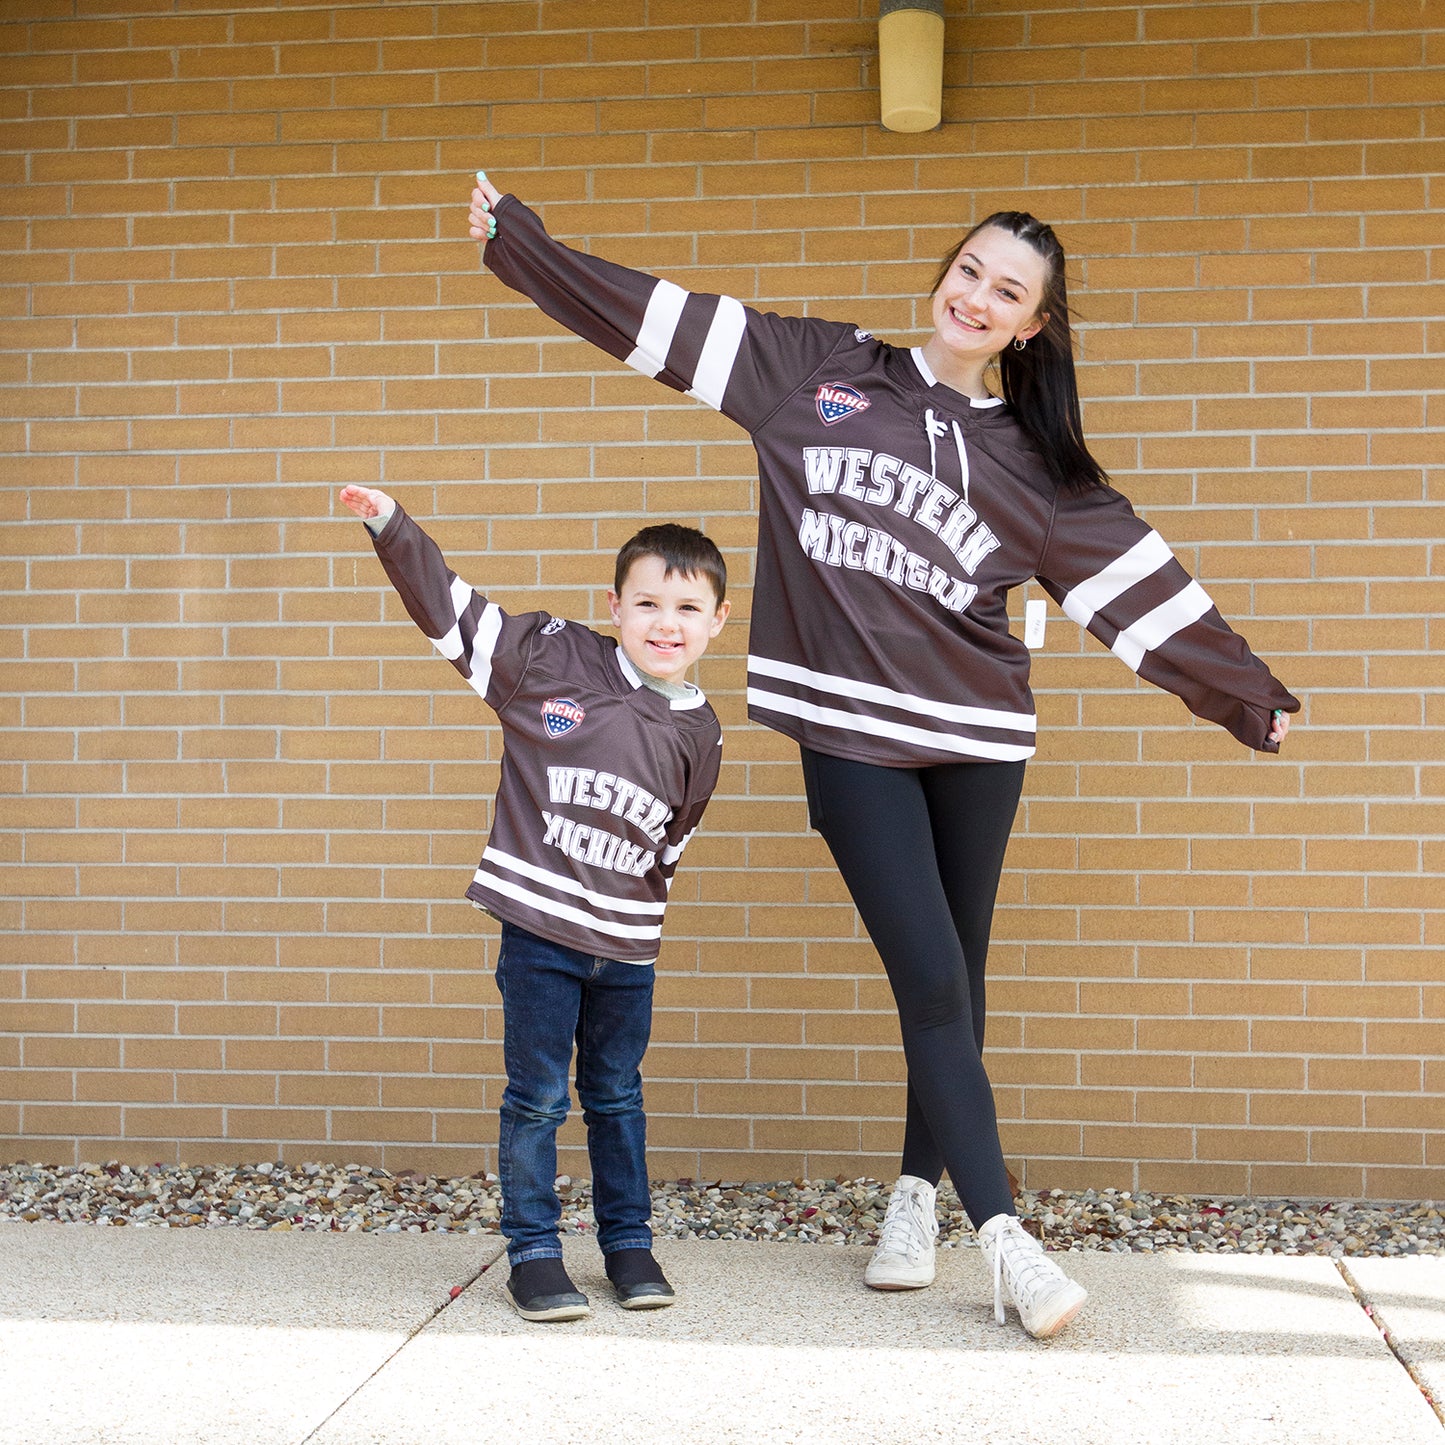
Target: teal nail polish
(481, 178)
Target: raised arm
(458, 621)
(738, 360)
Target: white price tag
(1035, 613)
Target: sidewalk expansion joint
(1391, 1344)
(457, 1291)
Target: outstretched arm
(738, 360)
(1113, 574)
(459, 622)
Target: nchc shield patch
(836, 400)
(561, 715)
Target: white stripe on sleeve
(659, 326)
(1143, 559)
(1158, 626)
(673, 852)
(484, 644)
(719, 351)
(450, 646)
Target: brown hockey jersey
(895, 516)
(603, 779)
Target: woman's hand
(482, 225)
(1280, 721)
(367, 501)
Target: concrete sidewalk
(178, 1337)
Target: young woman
(900, 500)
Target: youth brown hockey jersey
(603, 779)
(895, 515)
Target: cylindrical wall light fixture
(910, 63)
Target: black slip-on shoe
(638, 1280)
(541, 1290)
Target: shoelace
(905, 1228)
(1028, 1268)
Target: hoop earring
(1019, 343)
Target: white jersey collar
(926, 372)
(694, 696)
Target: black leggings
(921, 850)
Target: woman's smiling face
(991, 295)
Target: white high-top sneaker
(1045, 1297)
(904, 1256)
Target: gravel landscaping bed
(354, 1197)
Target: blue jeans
(553, 997)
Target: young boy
(610, 756)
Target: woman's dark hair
(1039, 382)
(680, 549)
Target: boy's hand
(481, 224)
(367, 501)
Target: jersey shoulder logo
(555, 625)
(860, 336)
(560, 715)
(836, 399)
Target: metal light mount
(910, 63)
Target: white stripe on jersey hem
(565, 884)
(876, 727)
(986, 717)
(1143, 559)
(550, 908)
(659, 326)
(1157, 627)
(926, 372)
(719, 351)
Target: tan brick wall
(243, 799)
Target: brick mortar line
(301, 77)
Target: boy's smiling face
(665, 623)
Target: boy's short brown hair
(680, 549)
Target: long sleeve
(459, 622)
(1115, 575)
(736, 359)
(702, 781)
